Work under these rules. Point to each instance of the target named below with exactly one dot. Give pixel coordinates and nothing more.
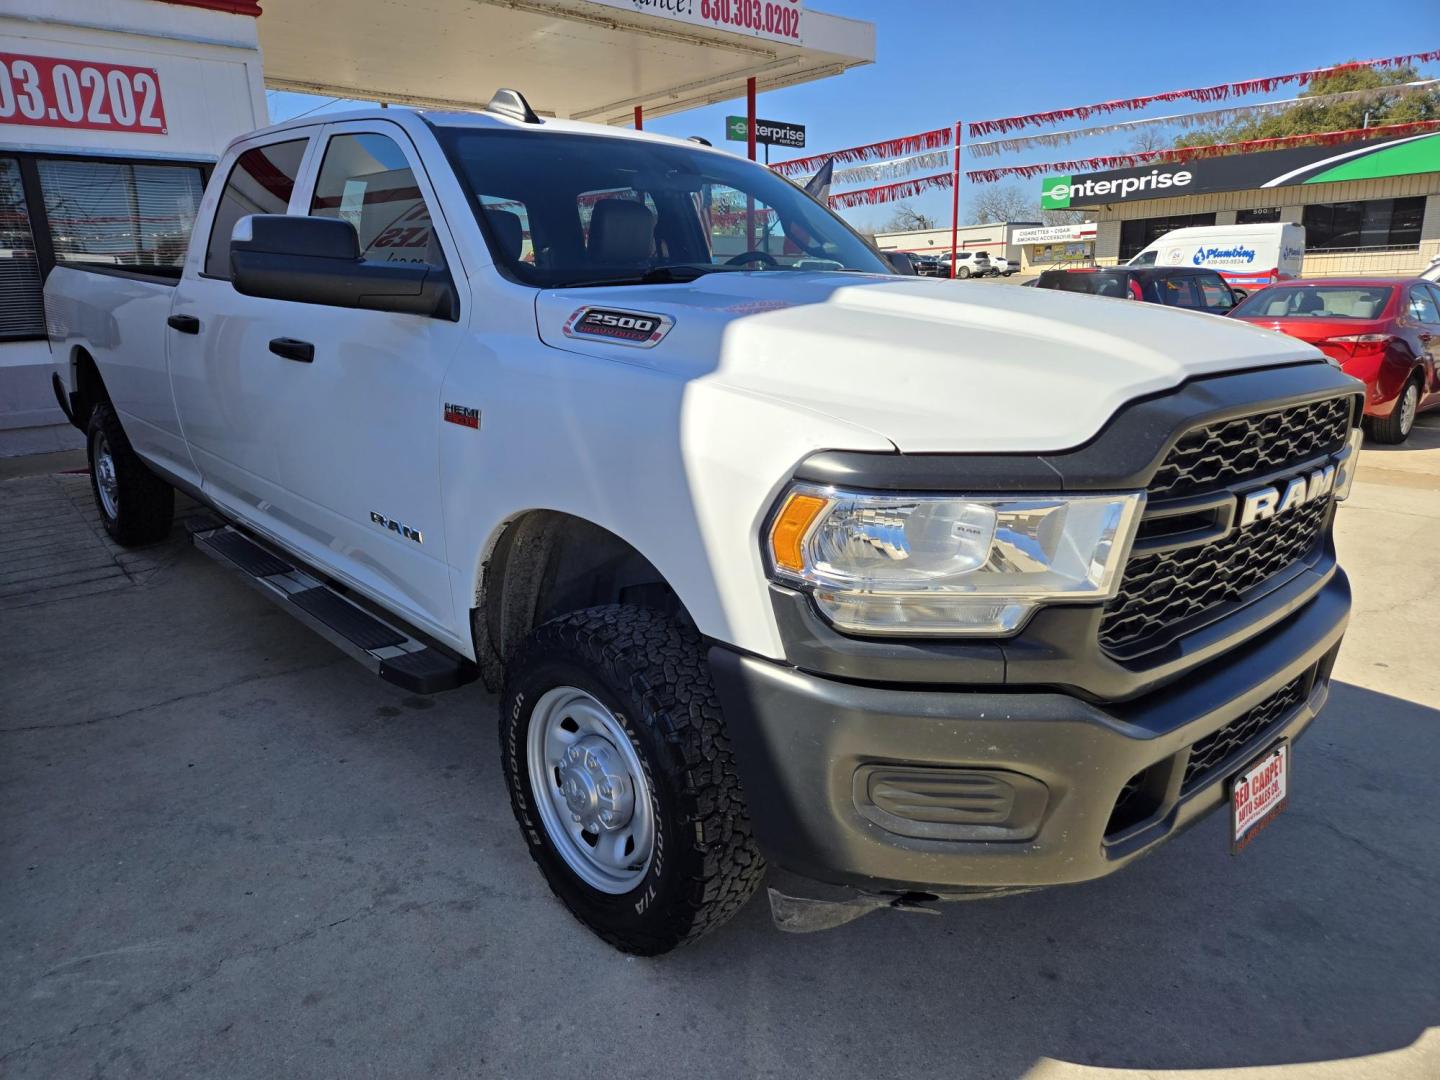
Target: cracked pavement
(229, 851)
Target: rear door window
(1422, 305)
(1182, 292)
(260, 182)
(1215, 293)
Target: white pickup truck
(915, 589)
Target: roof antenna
(701, 140)
(512, 103)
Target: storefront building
(994, 239)
(1052, 246)
(1368, 207)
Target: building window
(1261, 216)
(1374, 223)
(121, 215)
(1137, 235)
(22, 309)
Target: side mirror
(314, 260)
(901, 262)
(1239, 294)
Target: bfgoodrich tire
(622, 778)
(136, 506)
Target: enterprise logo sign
(1057, 191)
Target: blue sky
(942, 60)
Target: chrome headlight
(951, 564)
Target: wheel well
(89, 388)
(546, 564)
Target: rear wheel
(622, 778)
(1395, 428)
(136, 506)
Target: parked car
(967, 264)
(1173, 286)
(1383, 331)
(929, 266)
(880, 582)
(1003, 266)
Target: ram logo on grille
(1269, 502)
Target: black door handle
(186, 324)
(293, 349)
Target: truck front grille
(1160, 594)
(1242, 734)
(1234, 451)
(1164, 595)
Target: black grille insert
(1160, 594)
(1236, 738)
(1234, 451)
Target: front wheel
(135, 505)
(963, 272)
(622, 778)
(1395, 428)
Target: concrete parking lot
(229, 851)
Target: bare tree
(906, 218)
(1146, 139)
(994, 203)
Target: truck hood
(931, 365)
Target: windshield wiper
(656, 275)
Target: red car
(1385, 331)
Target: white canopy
(584, 59)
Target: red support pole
(750, 115)
(639, 118)
(750, 144)
(955, 204)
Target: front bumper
(834, 770)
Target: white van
(1248, 256)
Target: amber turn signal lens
(788, 532)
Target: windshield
(1145, 258)
(592, 209)
(1316, 302)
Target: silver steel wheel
(1409, 404)
(105, 482)
(590, 790)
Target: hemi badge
(462, 415)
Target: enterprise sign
(1365, 160)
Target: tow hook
(805, 915)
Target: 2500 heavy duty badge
(622, 327)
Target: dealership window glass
(1263, 215)
(1373, 223)
(22, 309)
(260, 182)
(1137, 235)
(366, 180)
(124, 216)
